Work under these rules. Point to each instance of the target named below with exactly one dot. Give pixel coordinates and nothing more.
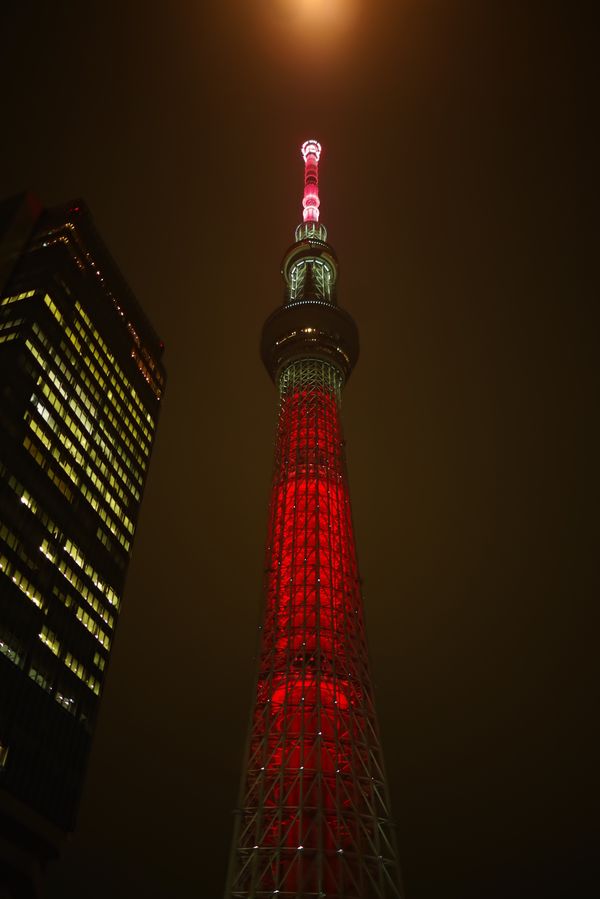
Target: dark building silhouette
(314, 816)
(80, 388)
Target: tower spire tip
(311, 153)
(311, 147)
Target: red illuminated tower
(314, 816)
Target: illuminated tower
(314, 818)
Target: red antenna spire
(311, 153)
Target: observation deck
(310, 324)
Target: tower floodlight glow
(314, 819)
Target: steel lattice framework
(314, 817)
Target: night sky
(456, 184)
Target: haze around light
(311, 26)
(332, 13)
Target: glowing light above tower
(311, 153)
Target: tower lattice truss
(314, 817)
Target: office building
(81, 383)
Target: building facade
(314, 817)
(81, 384)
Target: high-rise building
(314, 816)
(80, 389)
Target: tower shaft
(314, 815)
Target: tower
(314, 818)
(81, 384)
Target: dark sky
(456, 183)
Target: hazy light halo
(316, 19)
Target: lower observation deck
(309, 329)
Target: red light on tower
(311, 153)
(313, 817)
